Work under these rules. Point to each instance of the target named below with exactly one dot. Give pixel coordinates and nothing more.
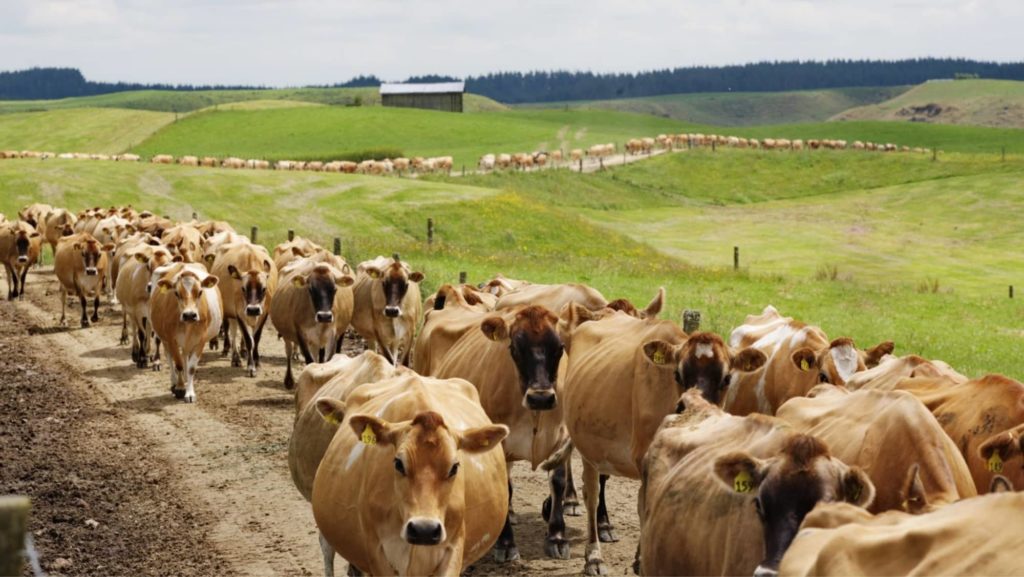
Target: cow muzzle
(422, 531)
(253, 310)
(91, 271)
(392, 312)
(540, 399)
(22, 259)
(324, 317)
(189, 316)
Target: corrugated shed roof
(436, 88)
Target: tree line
(552, 86)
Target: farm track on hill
(205, 486)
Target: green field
(743, 108)
(330, 132)
(99, 130)
(998, 103)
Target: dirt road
(186, 489)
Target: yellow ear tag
(659, 357)
(297, 282)
(487, 442)
(374, 274)
(743, 483)
(368, 437)
(332, 419)
(163, 289)
(804, 365)
(995, 463)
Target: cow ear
(34, 235)
(914, 498)
(77, 246)
(873, 355)
(344, 281)
(662, 353)
(482, 439)
(209, 282)
(299, 281)
(747, 360)
(141, 257)
(164, 284)
(740, 472)
(109, 246)
(805, 359)
(857, 488)
(573, 315)
(177, 258)
(372, 272)
(332, 410)
(267, 265)
(1000, 484)
(416, 277)
(998, 449)
(209, 258)
(234, 272)
(296, 251)
(495, 328)
(105, 230)
(371, 431)
(654, 307)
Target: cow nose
(325, 317)
(424, 532)
(190, 316)
(540, 399)
(763, 571)
(22, 259)
(254, 310)
(392, 312)
(90, 271)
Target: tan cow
(20, 245)
(296, 248)
(412, 483)
(501, 285)
(247, 281)
(211, 227)
(133, 290)
(623, 376)
(35, 213)
(186, 313)
(799, 358)
(312, 308)
(312, 434)
(80, 265)
(1003, 452)
(980, 536)
(184, 239)
(388, 306)
(162, 159)
(111, 231)
(553, 297)
(57, 223)
(725, 495)
(891, 370)
(913, 464)
(444, 323)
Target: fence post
(195, 216)
(581, 164)
(1011, 291)
(463, 170)
(291, 235)
(714, 145)
(337, 246)
(691, 321)
(462, 277)
(735, 258)
(430, 231)
(1004, 154)
(253, 233)
(935, 154)
(13, 523)
(395, 256)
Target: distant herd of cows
(775, 450)
(488, 162)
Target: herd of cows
(776, 450)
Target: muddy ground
(182, 489)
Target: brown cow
(913, 464)
(444, 323)
(725, 495)
(184, 239)
(388, 306)
(133, 290)
(211, 227)
(20, 245)
(553, 297)
(623, 376)
(311, 309)
(186, 312)
(891, 370)
(799, 358)
(296, 248)
(973, 537)
(414, 482)
(34, 214)
(58, 223)
(1004, 452)
(80, 265)
(248, 280)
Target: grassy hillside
(97, 130)
(174, 101)
(744, 108)
(326, 132)
(998, 103)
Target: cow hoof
(85, 324)
(289, 382)
(595, 567)
(354, 571)
(571, 509)
(506, 554)
(214, 344)
(178, 393)
(557, 549)
(251, 373)
(236, 362)
(156, 367)
(190, 398)
(607, 535)
(123, 341)
(95, 318)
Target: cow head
(322, 284)
(23, 239)
(703, 362)
(394, 282)
(787, 486)
(253, 284)
(90, 250)
(188, 289)
(840, 361)
(999, 450)
(428, 484)
(155, 257)
(651, 311)
(536, 351)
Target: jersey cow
(20, 245)
(133, 290)
(388, 306)
(247, 279)
(80, 265)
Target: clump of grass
(828, 272)
(929, 285)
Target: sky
(303, 42)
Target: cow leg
(224, 329)
(124, 334)
(595, 564)
(12, 291)
(177, 370)
(24, 277)
(556, 545)
(256, 341)
(191, 364)
(236, 357)
(328, 553)
(505, 549)
(156, 354)
(63, 307)
(289, 380)
(320, 354)
(306, 355)
(85, 310)
(248, 341)
(339, 342)
(96, 308)
(571, 502)
(605, 530)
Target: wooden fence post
(735, 258)
(252, 234)
(337, 246)
(430, 231)
(195, 216)
(581, 164)
(1011, 291)
(691, 321)
(462, 277)
(13, 523)
(291, 235)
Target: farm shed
(445, 96)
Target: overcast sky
(297, 42)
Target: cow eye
(455, 469)
(399, 466)
(822, 378)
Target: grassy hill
(98, 130)
(180, 101)
(330, 132)
(998, 103)
(744, 108)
